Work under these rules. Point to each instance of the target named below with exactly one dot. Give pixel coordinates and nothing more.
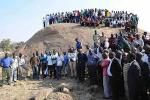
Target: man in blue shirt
(78, 44)
(6, 63)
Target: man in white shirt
(14, 66)
(54, 61)
(50, 64)
(21, 62)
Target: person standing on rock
(6, 63)
(34, 62)
(81, 61)
(65, 64)
(14, 66)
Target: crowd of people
(94, 17)
(120, 63)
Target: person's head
(118, 54)
(54, 51)
(103, 34)
(33, 54)
(139, 56)
(6, 55)
(112, 35)
(131, 57)
(95, 32)
(20, 55)
(145, 33)
(77, 40)
(64, 53)
(138, 36)
(134, 50)
(37, 53)
(125, 56)
(105, 55)
(49, 53)
(90, 52)
(112, 55)
(80, 51)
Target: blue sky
(20, 19)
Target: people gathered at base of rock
(119, 63)
(95, 17)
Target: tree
(6, 45)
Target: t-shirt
(59, 60)
(15, 63)
(6, 62)
(49, 60)
(54, 58)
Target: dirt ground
(50, 89)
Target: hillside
(60, 36)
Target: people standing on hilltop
(14, 67)
(6, 63)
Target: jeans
(35, 70)
(13, 75)
(58, 72)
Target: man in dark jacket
(145, 76)
(134, 78)
(81, 62)
(115, 77)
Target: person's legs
(106, 86)
(8, 75)
(33, 71)
(57, 72)
(50, 70)
(36, 72)
(83, 72)
(4, 78)
(114, 88)
(74, 69)
(11, 75)
(71, 68)
(15, 75)
(54, 70)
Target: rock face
(61, 36)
